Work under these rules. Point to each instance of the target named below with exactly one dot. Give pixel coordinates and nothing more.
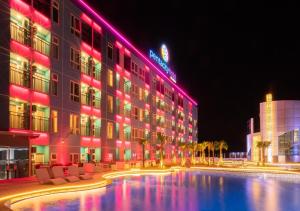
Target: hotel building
(279, 124)
(73, 89)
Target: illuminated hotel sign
(163, 60)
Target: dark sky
(226, 55)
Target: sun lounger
(74, 171)
(43, 177)
(89, 167)
(58, 172)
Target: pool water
(178, 191)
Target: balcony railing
(18, 120)
(40, 84)
(90, 69)
(40, 123)
(20, 34)
(88, 99)
(41, 45)
(86, 130)
(19, 77)
(127, 113)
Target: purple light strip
(121, 37)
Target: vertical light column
(269, 125)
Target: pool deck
(15, 190)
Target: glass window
(55, 11)
(109, 130)
(97, 40)
(110, 51)
(86, 33)
(127, 62)
(54, 84)
(110, 78)
(74, 124)
(110, 104)
(55, 47)
(54, 121)
(75, 26)
(74, 91)
(75, 58)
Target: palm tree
(162, 140)
(193, 146)
(215, 146)
(143, 142)
(262, 145)
(183, 147)
(222, 145)
(209, 147)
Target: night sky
(226, 55)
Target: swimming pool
(191, 190)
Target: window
(141, 115)
(110, 51)
(74, 91)
(118, 56)
(74, 124)
(54, 84)
(97, 40)
(54, 120)
(74, 157)
(127, 62)
(86, 33)
(109, 130)
(55, 11)
(75, 58)
(147, 78)
(75, 26)
(135, 113)
(110, 78)
(110, 104)
(43, 7)
(55, 47)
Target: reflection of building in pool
(74, 90)
(279, 124)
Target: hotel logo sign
(162, 61)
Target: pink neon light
(97, 27)
(119, 93)
(86, 110)
(41, 59)
(96, 140)
(96, 83)
(127, 143)
(118, 67)
(20, 6)
(22, 50)
(19, 92)
(118, 44)
(121, 37)
(127, 52)
(40, 98)
(43, 139)
(96, 112)
(84, 138)
(127, 73)
(147, 106)
(118, 143)
(42, 20)
(118, 118)
(87, 19)
(96, 54)
(147, 125)
(86, 79)
(86, 48)
(127, 120)
(147, 86)
(147, 68)
(127, 96)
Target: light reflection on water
(178, 191)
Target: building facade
(279, 124)
(73, 89)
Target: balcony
(86, 130)
(19, 76)
(19, 120)
(40, 83)
(127, 113)
(90, 100)
(90, 69)
(20, 34)
(41, 45)
(40, 123)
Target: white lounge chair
(74, 171)
(58, 172)
(43, 177)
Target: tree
(204, 147)
(193, 146)
(183, 147)
(143, 142)
(222, 145)
(262, 145)
(162, 141)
